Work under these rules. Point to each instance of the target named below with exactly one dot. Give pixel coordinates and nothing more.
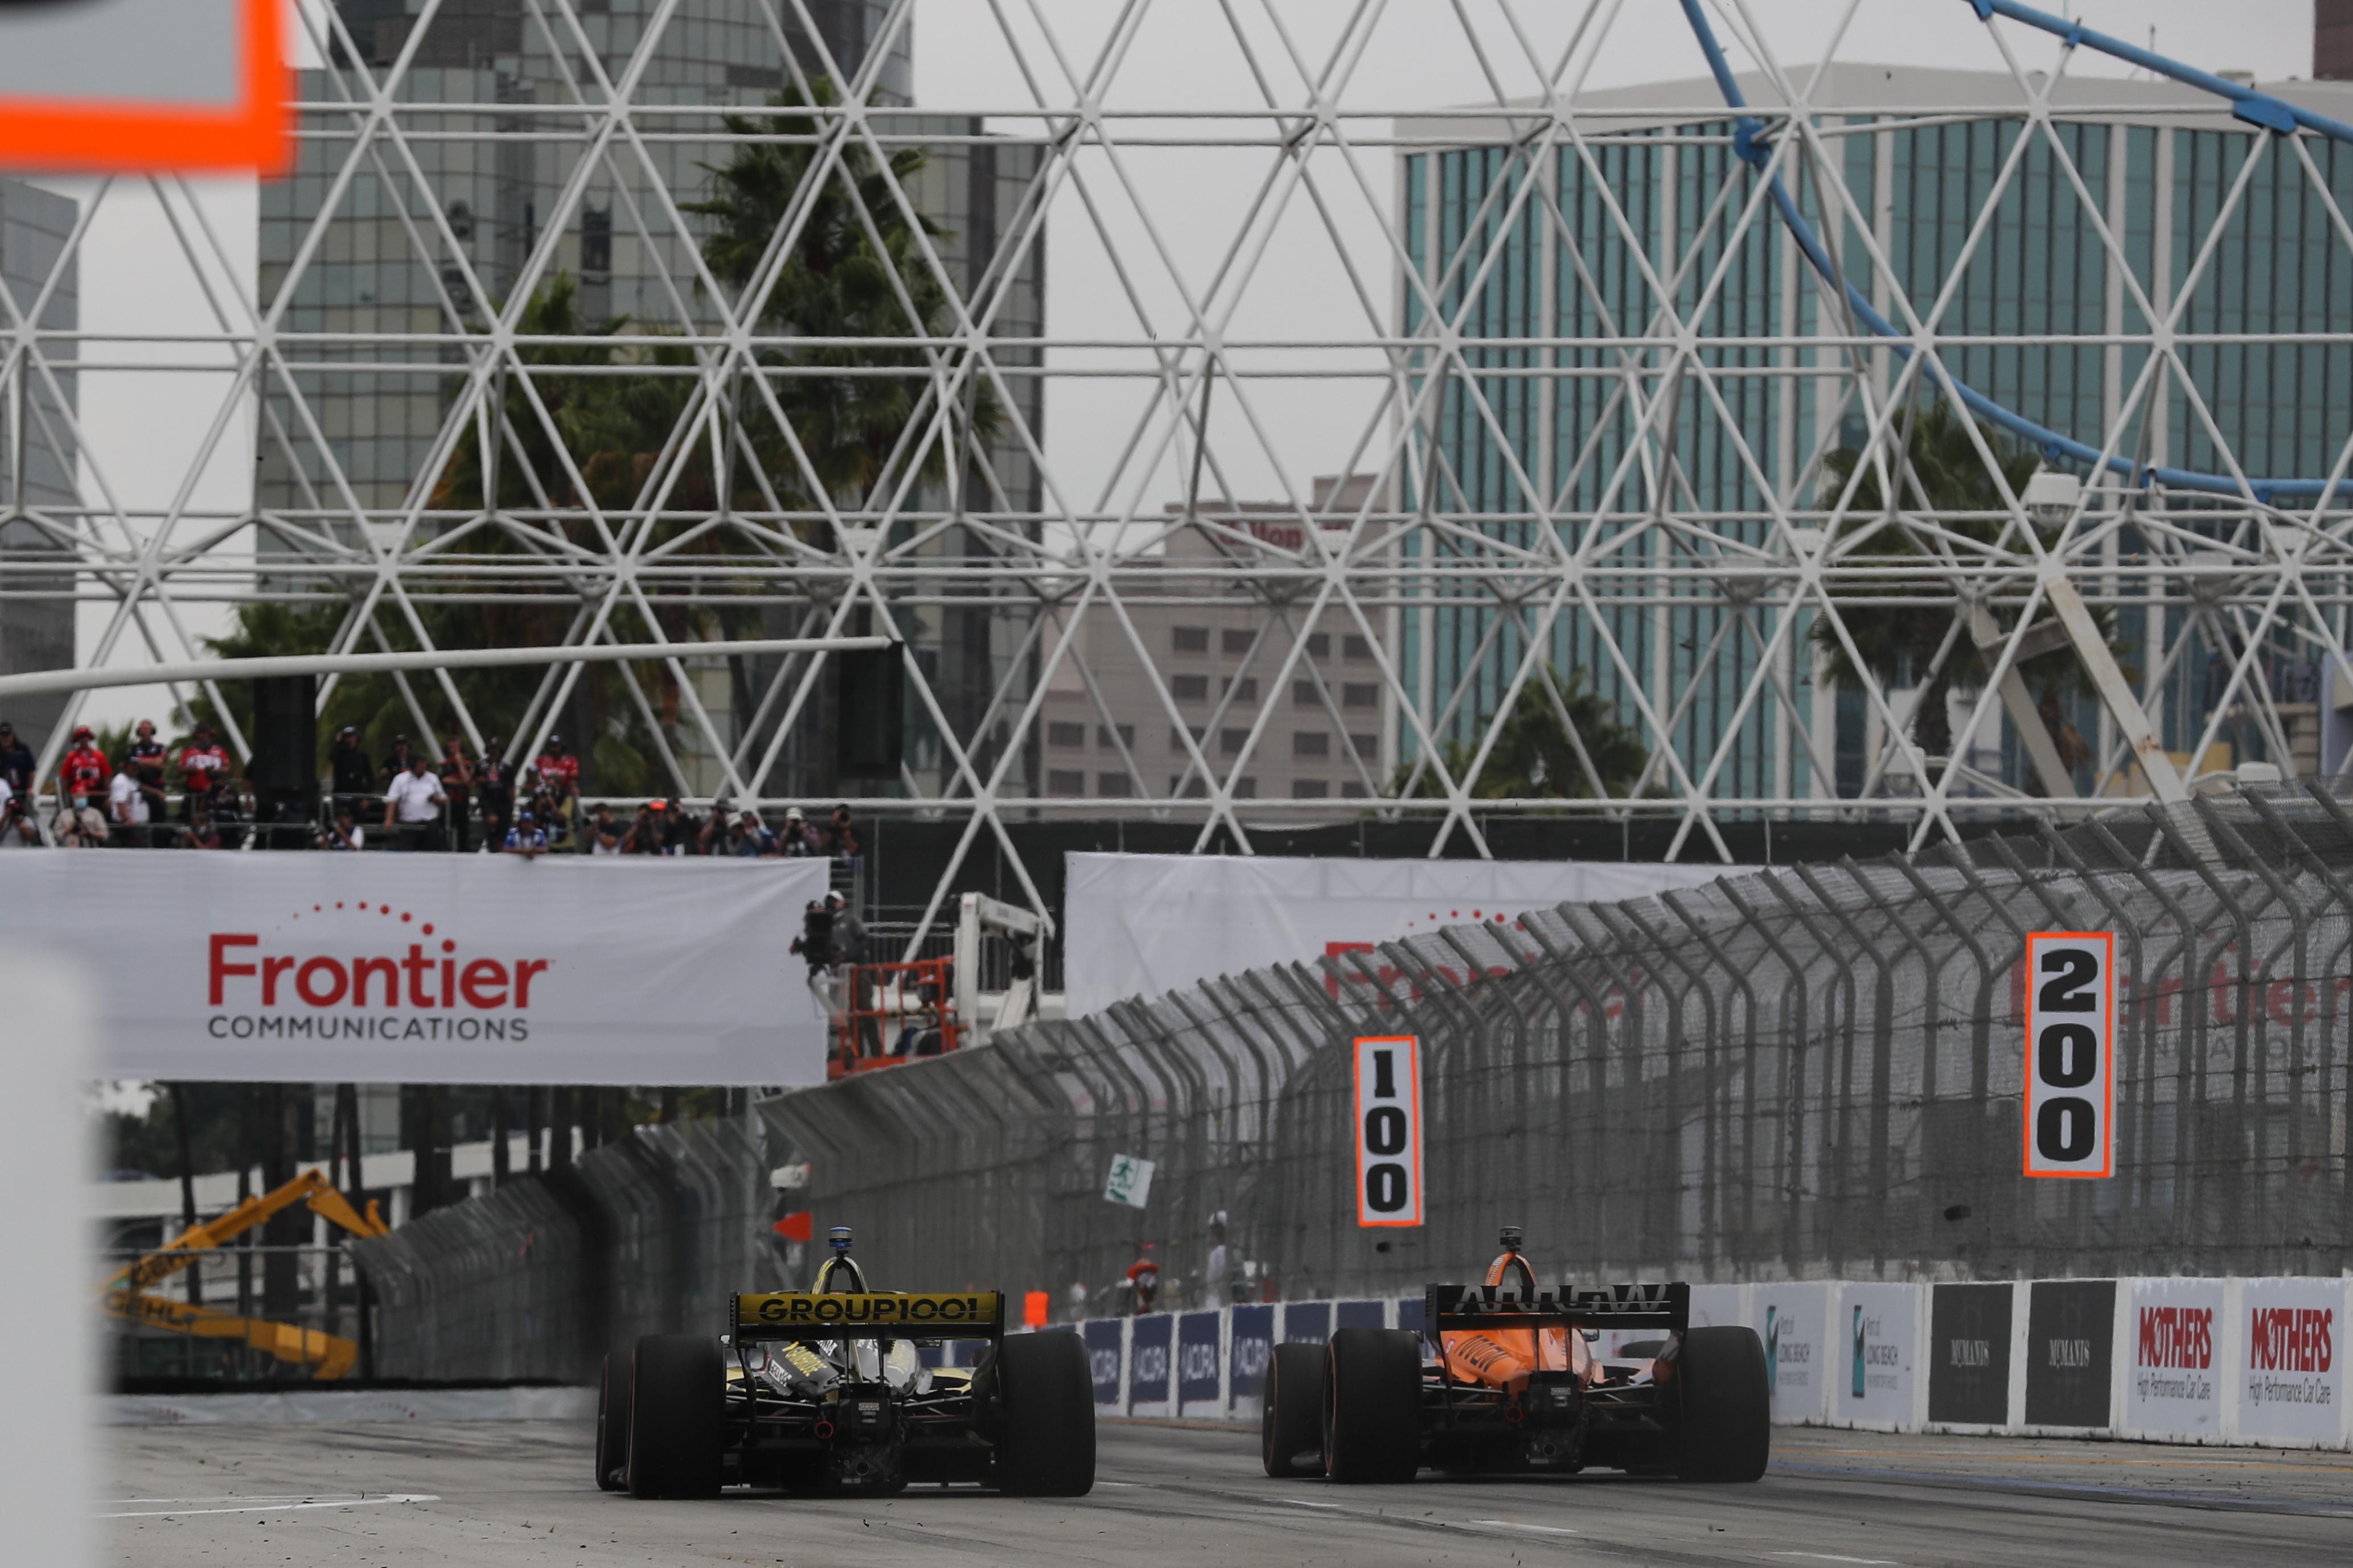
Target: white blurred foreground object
(45, 1422)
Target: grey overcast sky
(143, 427)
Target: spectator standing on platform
(559, 780)
(751, 839)
(645, 834)
(680, 830)
(17, 829)
(17, 763)
(204, 769)
(412, 807)
(147, 759)
(841, 837)
(345, 834)
(494, 788)
(127, 807)
(524, 839)
(204, 830)
(396, 765)
(83, 775)
(792, 841)
(604, 831)
(458, 786)
(354, 777)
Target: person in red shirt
(559, 770)
(204, 768)
(85, 772)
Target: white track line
(1515, 1524)
(270, 1507)
(1826, 1557)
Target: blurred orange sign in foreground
(143, 87)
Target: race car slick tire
(1048, 1392)
(1292, 1420)
(677, 1413)
(1727, 1416)
(613, 1425)
(1372, 1405)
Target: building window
(1319, 645)
(1309, 789)
(1246, 789)
(1351, 790)
(1190, 688)
(1245, 688)
(1234, 639)
(1192, 788)
(1177, 736)
(1190, 639)
(1310, 743)
(1113, 786)
(1230, 741)
(597, 243)
(1303, 694)
(1127, 736)
(1354, 646)
(1065, 783)
(1066, 734)
(1366, 746)
(1360, 694)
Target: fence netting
(1811, 1070)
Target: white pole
(46, 680)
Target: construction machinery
(129, 1292)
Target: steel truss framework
(2246, 572)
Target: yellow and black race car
(826, 1391)
(1515, 1386)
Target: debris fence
(1813, 1071)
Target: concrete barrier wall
(2169, 1359)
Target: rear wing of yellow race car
(874, 1315)
(1449, 1308)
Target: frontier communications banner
(433, 968)
(1143, 925)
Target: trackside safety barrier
(2171, 1359)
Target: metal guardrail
(1806, 1072)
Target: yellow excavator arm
(310, 1189)
(125, 1293)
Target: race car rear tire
(1372, 1405)
(1291, 1421)
(1049, 1393)
(678, 1414)
(613, 1426)
(1727, 1414)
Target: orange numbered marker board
(144, 86)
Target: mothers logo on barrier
(2292, 1377)
(438, 968)
(2173, 1384)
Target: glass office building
(1662, 230)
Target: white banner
(1879, 1353)
(1142, 925)
(2173, 1367)
(2291, 1360)
(1793, 1319)
(434, 968)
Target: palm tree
(1534, 757)
(1899, 643)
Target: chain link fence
(1807, 1071)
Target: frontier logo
(388, 981)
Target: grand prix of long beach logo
(352, 969)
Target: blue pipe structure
(2262, 110)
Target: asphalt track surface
(519, 1495)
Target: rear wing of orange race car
(1449, 1308)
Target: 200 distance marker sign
(2071, 1083)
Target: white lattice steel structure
(1598, 359)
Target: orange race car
(1506, 1378)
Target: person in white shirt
(127, 805)
(412, 806)
(17, 829)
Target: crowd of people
(190, 797)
